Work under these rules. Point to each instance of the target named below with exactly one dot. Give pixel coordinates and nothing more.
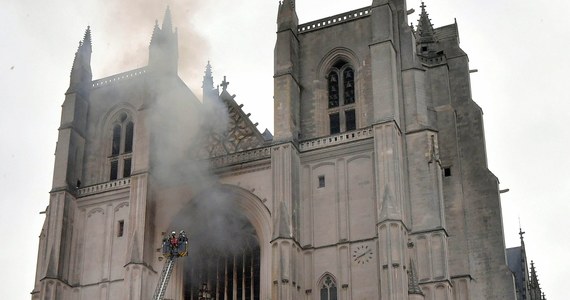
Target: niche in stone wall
(325, 204)
(360, 195)
(119, 242)
(93, 247)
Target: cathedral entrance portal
(226, 236)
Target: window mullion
(342, 120)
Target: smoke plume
(127, 28)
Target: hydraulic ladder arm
(164, 278)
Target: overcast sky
(519, 47)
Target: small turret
(287, 16)
(534, 286)
(425, 33)
(209, 93)
(163, 49)
(81, 75)
(286, 74)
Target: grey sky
(519, 47)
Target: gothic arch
(328, 282)
(256, 213)
(112, 114)
(359, 156)
(335, 55)
(324, 67)
(322, 277)
(94, 211)
(120, 115)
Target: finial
(208, 82)
(225, 84)
(424, 29)
(208, 71)
(87, 37)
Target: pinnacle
(87, 36)
(413, 283)
(208, 72)
(155, 32)
(425, 27)
(167, 21)
(208, 81)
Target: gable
(239, 134)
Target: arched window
(328, 288)
(116, 140)
(129, 137)
(121, 147)
(341, 98)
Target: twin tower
(374, 184)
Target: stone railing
(118, 77)
(236, 158)
(104, 187)
(440, 59)
(334, 20)
(337, 139)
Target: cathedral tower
(374, 186)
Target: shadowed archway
(229, 236)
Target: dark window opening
(333, 89)
(447, 172)
(322, 181)
(114, 170)
(341, 97)
(350, 116)
(348, 86)
(424, 48)
(339, 64)
(121, 146)
(129, 137)
(334, 123)
(116, 140)
(120, 228)
(127, 168)
(328, 289)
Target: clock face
(362, 254)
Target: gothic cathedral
(374, 184)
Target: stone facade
(374, 186)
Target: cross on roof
(225, 84)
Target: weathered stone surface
(396, 203)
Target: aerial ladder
(173, 247)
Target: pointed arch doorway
(229, 240)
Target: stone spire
(87, 38)
(167, 21)
(163, 49)
(424, 31)
(208, 81)
(413, 282)
(155, 33)
(81, 74)
(534, 285)
(209, 93)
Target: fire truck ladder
(164, 278)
